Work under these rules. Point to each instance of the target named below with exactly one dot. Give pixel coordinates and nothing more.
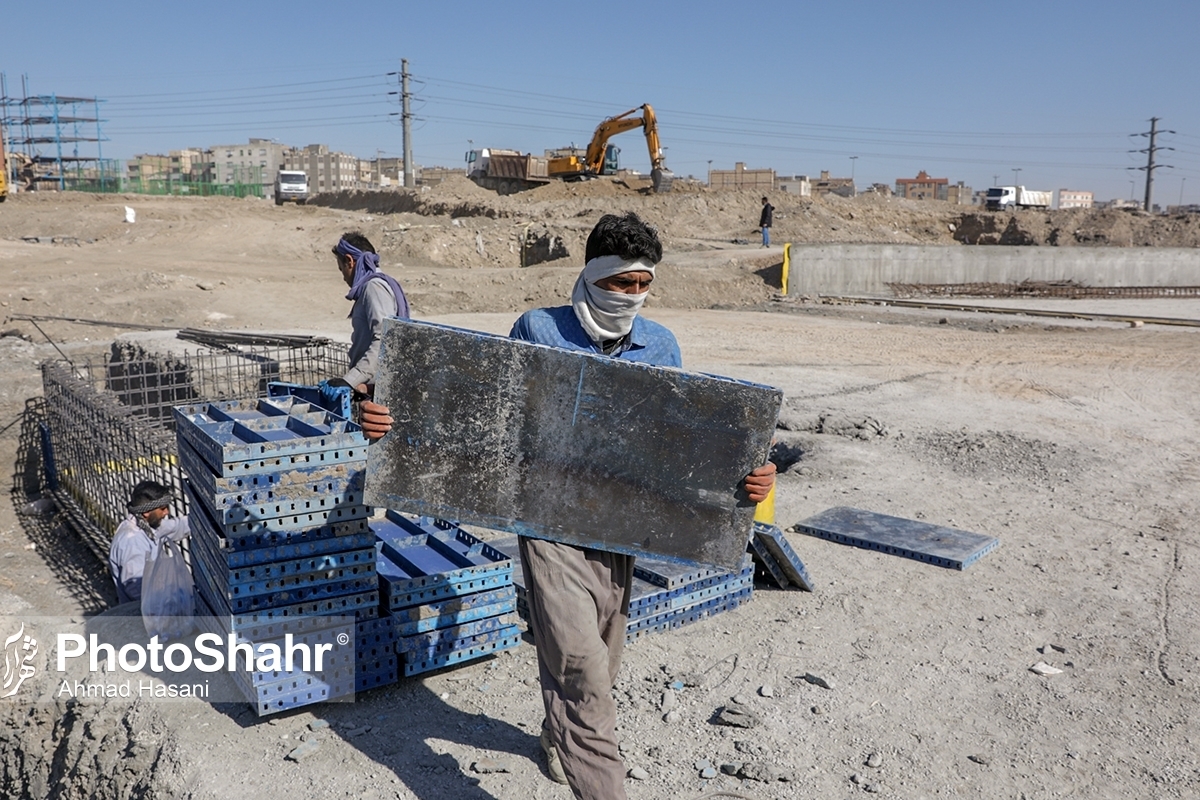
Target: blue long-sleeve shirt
(648, 342)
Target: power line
(1150, 165)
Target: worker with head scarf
(135, 543)
(578, 597)
(376, 295)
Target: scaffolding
(35, 124)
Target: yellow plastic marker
(765, 512)
(787, 260)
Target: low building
(922, 187)
(959, 194)
(432, 176)
(794, 184)
(741, 178)
(830, 185)
(1073, 198)
(148, 167)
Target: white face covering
(607, 315)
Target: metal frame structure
(109, 423)
(35, 120)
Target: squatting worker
(579, 598)
(135, 543)
(376, 295)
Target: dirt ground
(1073, 442)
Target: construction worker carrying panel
(579, 597)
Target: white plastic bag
(168, 599)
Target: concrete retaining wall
(867, 269)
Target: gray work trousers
(578, 610)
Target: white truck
(291, 184)
(1002, 197)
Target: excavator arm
(661, 176)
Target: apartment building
(922, 187)
(1074, 198)
(327, 170)
(256, 161)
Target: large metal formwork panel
(568, 446)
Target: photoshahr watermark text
(45, 658)
(178, 656)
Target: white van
(291, 184)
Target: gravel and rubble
(1072, 442)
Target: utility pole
(410, 180)
(853, 163)
(1150, 165)
(995, 180)
(1017, 176)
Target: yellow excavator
(601, 159)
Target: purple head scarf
(366, 268)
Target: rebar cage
(109, 424)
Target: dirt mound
(1102, 227)
(94, 749)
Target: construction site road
(1074, 442)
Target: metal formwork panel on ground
(361, 606)
(933, 544)
(418, 568)
(274, 544)
(443, 639)
(772, 551)
(664, 602)
(291, 587)
(324, 490)
(275, 690)
(672, 575)
(677, 619)
(418, 665)
(379, 631)
(452, 612)
(536, 440)
(249, 436)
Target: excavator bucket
(662, 180)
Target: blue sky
(965, 90)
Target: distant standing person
(764, 221)
(376, 295)
(135, 544)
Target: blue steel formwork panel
(454, 611)
(568, 446)
(271, 691)
(417, 567)
(678, 619)
(417, 663)
(334, 399)
(242, 437)
(933, 544)
(772, 550)
(443, 639)
(304, 491)
(339, 536)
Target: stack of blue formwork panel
(450, 595)
(666, 595)
(280, 542)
